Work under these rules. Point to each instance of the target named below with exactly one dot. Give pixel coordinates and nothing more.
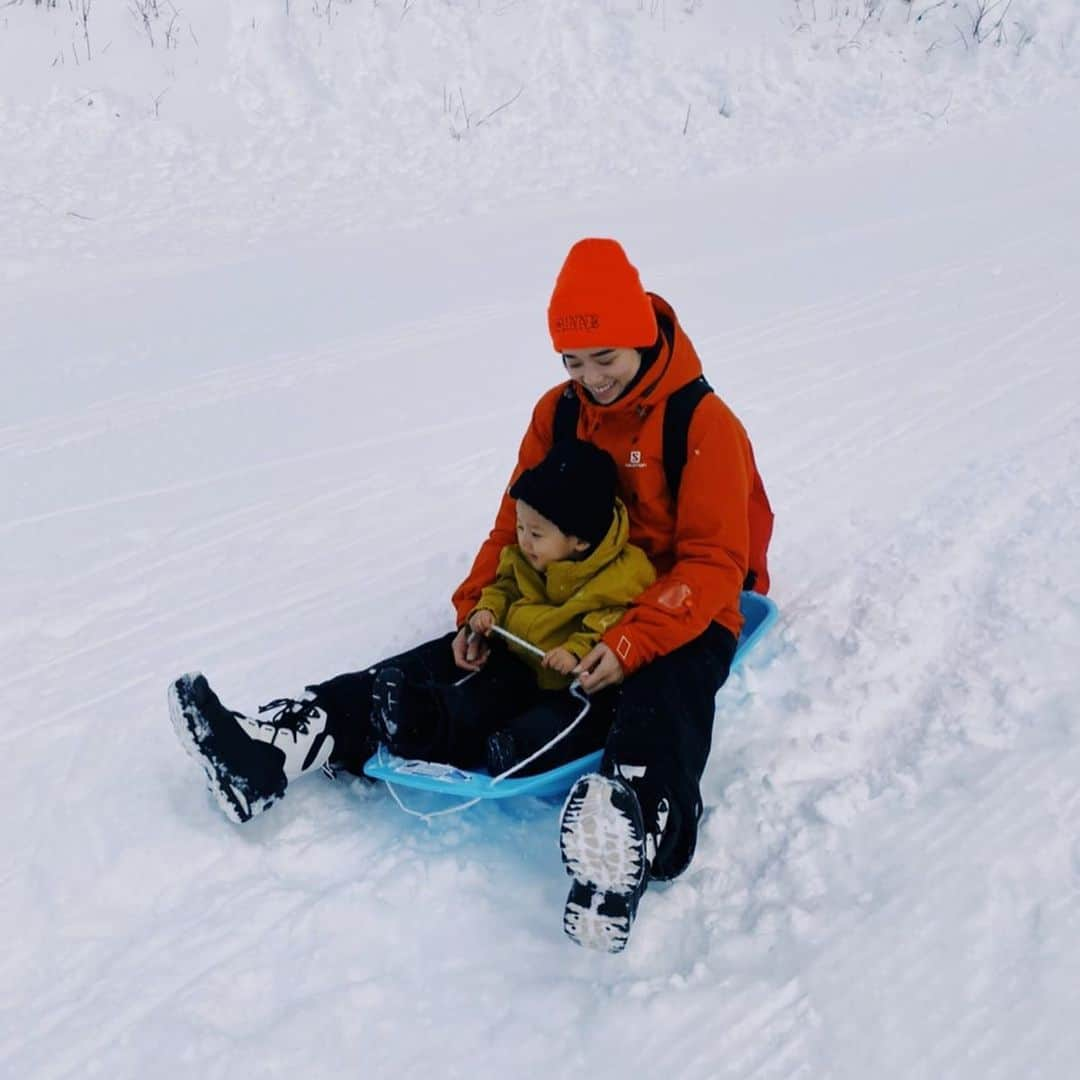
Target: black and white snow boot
(248, 761)
(605, 849)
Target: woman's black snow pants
(661, 737)
(655, 728)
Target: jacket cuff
(491, 600)
(578, 648)
(627, 651)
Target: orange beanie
(599, 302)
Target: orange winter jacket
(702, 547)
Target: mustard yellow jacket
(572, 604)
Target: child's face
(543, 542)
(605, 373)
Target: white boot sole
(602, 846)
(603, 849)
(593, 930)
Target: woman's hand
(470, 650)
(599, 668)
(561, 660)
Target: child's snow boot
(248, 761)
(607, 849)
(386, 702)
(409, 717)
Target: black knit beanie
(574, 488)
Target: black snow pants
(655, 728)
(502, 696)
(661, 736)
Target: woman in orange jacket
(704, 521)
(627, 358)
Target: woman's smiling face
(604, 373)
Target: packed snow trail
(888, 881)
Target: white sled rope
(574, 690)
(759, 614)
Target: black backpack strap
(567, 412)
(678, 413)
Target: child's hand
(561, 660)
(481, 622)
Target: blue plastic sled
(759, 613)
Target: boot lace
(292, 716)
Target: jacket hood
(566, 576)
(675, 366)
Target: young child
(568, 579)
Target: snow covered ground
(267, 351)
